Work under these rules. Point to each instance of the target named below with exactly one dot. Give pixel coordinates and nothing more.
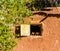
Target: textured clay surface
(49, 41)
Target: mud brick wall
(49, 41)
(51, 34)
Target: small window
(36, 29)
(17, 30)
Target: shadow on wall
(44, 9)
(46, 14)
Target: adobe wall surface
(49, 41)
(51, 34)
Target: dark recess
(17, 31)
(36, 29)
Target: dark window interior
(17, 30)
(35, 30)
